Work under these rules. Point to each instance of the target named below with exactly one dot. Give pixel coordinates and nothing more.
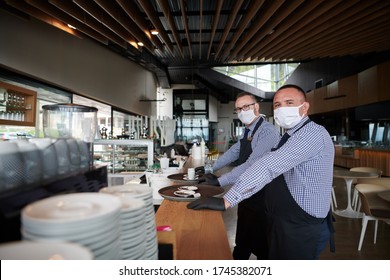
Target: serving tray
(204, 190)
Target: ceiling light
(154, 31)
(71, 26)
(140, 44)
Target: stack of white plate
(133, 227)
(29, 250)
(89, 219)
(141, 191)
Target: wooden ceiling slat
(228, 25)
(164, 5)
(263, 25)
(253, 7)
(275, 41)
(40, 15)
(200, 27)
(133, 12)
(348, 48)
(338, 30)
(326, 26)
(100, 15)
(57, 15)
(280, 23)
(117, 14)
(320, 27)
(74, 11)
(245, 31)
(346, 45)
(153, 16)
(185, 24)
(351, 40)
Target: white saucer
(185, 177)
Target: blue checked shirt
(306, 162)
(263, 140)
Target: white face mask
(287, 117)
(247, 117)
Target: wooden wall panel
(312, 101)
(319, 95)
(349, 87)
(384, 81)
(332, 90)
(368, 86)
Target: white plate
(188, 188)
(83, 231)
(74, 207)
(184, 193)
(133, 190)
(28, 250)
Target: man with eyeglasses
(296, 181)
(258, 139)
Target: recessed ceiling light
(140, 44)
(154, 31)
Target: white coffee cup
(191, 173)
(164, 163)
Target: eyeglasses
(244, 108)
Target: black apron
(250, 224)
(291, 232)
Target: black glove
(199, 170)
(213, 203)
(209, 179)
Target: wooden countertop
(200, 234)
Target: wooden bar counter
(199, 234)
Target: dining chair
(374, 208)
(333, 201)
(355, 198)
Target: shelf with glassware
(17, 105)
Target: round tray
(179, 178)
(204, 190)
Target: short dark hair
(298, 88)
(241, 94)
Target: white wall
(213, 109)
(225, 119)
(79, 65)
(165, 108)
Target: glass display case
(125, 159)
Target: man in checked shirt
(297, 180)
(258, 139)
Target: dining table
(385, 195)
(348, 176)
